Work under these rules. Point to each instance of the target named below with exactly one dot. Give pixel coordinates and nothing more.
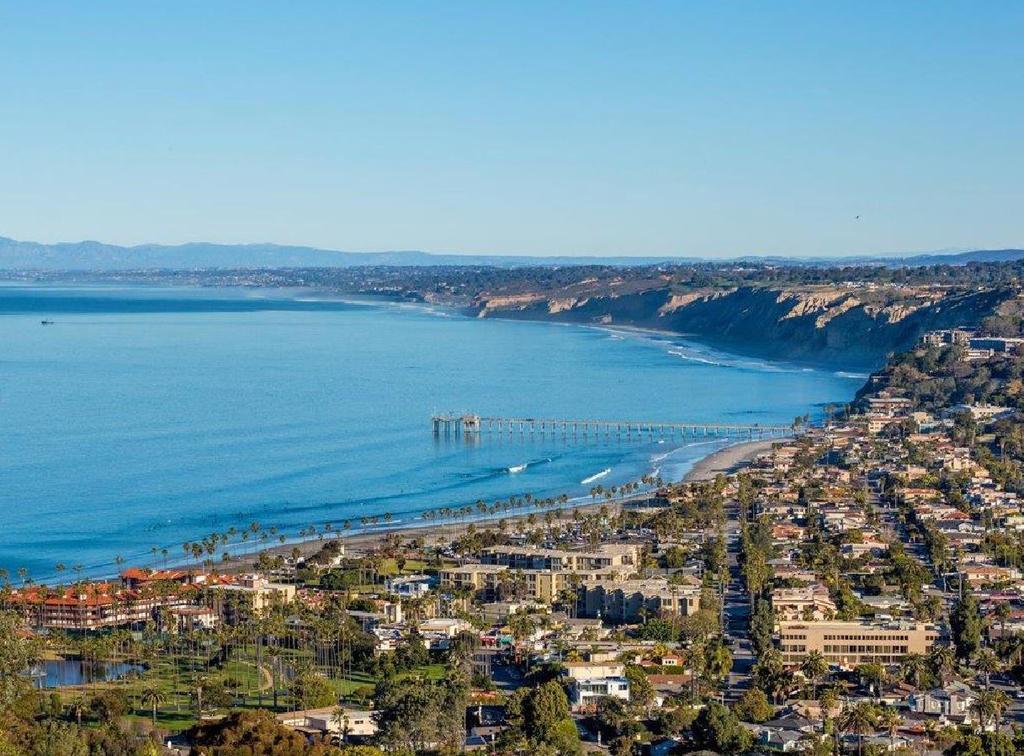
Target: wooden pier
(469, 424)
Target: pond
(58, 673)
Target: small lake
(59, 673)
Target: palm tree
(914, 669)
(521, 625)
(340, 718)
(153, 697)
(76, 709)
(989, 706)
(1002, 614)
(983, 708)
(889, 719)
(875, 672)
(943, 661)
(814, 666)
(1000, 703)
(859, 719)
(987, 662)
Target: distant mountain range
(96, 256)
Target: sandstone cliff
(836, 325)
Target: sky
(681, 128)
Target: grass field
(250, 687)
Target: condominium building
(811, 602)
(479, 578)
(500, 581)
(631, 600)
(527, 558)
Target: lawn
(252, 689)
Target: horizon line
(668, 257)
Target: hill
(98, 256)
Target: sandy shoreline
(725, 461)
(729, 459)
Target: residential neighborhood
(853, 588)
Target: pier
(470, 424)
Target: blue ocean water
(145, 417)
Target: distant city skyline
(578, 129)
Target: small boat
(46, 322)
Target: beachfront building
(137, 577)
(90, 606)
(240, 594)
(848, 644)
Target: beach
(725, 461)
(729, 460)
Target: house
(953, 700)
(590, 681)
(331, 720)
(981, 574)
(586, 689)
(670, 660)
(784, 735)
(410, 586)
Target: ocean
(143, 417)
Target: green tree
(814, 666)
(407, 714)
(153, 697)
(966, 626)
(546, 715)
(641, 692)
(109, 705)
(762, 626)
(659, 629)
(914, 670)
(17, 653)
(942, 660)
(754, 706)
(716, 728)
(719, 662)
(255, 733)
(859, 719)
(311, 690)
(988, 664)
(890, 720)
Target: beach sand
(724, 461)
(431, 533)
(729, 460)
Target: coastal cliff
(837, 325)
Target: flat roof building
(848, 644)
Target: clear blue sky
(686, 128)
